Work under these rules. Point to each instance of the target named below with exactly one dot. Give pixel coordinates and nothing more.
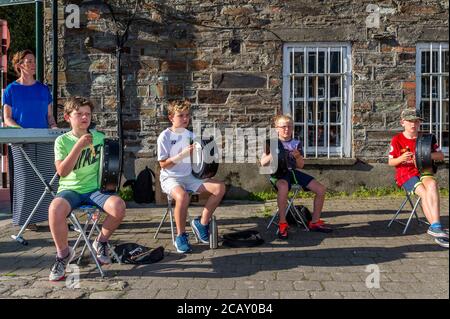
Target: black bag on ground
(304, 212)
(143, 187)
(132, 253)
(245, 238)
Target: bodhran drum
(109, 166)
(424, 147)
(204, 158)
(282, 157)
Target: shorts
(294, 177)
(411, 184)
(75, 199)
(189, 183)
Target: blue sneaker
(182, 244)
(201, 231)
(437, 232)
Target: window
(316, 92)
(432, 90)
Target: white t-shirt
(171, 144)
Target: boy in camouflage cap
(402, 156)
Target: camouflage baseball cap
(410, 115)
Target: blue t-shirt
(29, 104)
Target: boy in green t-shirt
(77, 155)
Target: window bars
(316, 92)
(432, 100)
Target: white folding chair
(92, 219)
(414, 206)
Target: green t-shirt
(84, 176)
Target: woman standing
(27, 103)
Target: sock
(436, 225)
(101, 239)
(61, 254)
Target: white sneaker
(443, 242)
(58, 269)
(102, 251)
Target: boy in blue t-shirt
(284, 127)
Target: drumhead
(109, 172)
(275, 146)
(204, 158)
(101, 166)
(197, 158)
(424, 146)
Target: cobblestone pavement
(308, 265)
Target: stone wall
(227, 60)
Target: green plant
(126, 193)
(361, 192)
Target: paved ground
(308, 265)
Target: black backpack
(304, 212)
(132, 253)
(143, 187)
(244, 238)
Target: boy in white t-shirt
(174, 149)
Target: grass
(361, 192)
(126, 193)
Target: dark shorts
(294, 177)
(411, 184)
(75, 199)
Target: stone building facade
(231, 60)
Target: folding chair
(169, 211)
(92, 218)
(290, 209)
(408, 198)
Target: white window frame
(346, 96)
(435, 128)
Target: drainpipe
(39, 40)
(55, 58)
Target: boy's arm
(394, 158)
(172, 161)
(299, 161)
(397, 161)
(437, 156)
(65, 166)
(265, 159)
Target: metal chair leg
(398, 212)
(87, 241)
(413, 212)
(272, 220)
(161, 223)
(169, 211)
(411, 216)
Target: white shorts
(189, 183)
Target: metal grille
(316, 92)
(432, 90)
